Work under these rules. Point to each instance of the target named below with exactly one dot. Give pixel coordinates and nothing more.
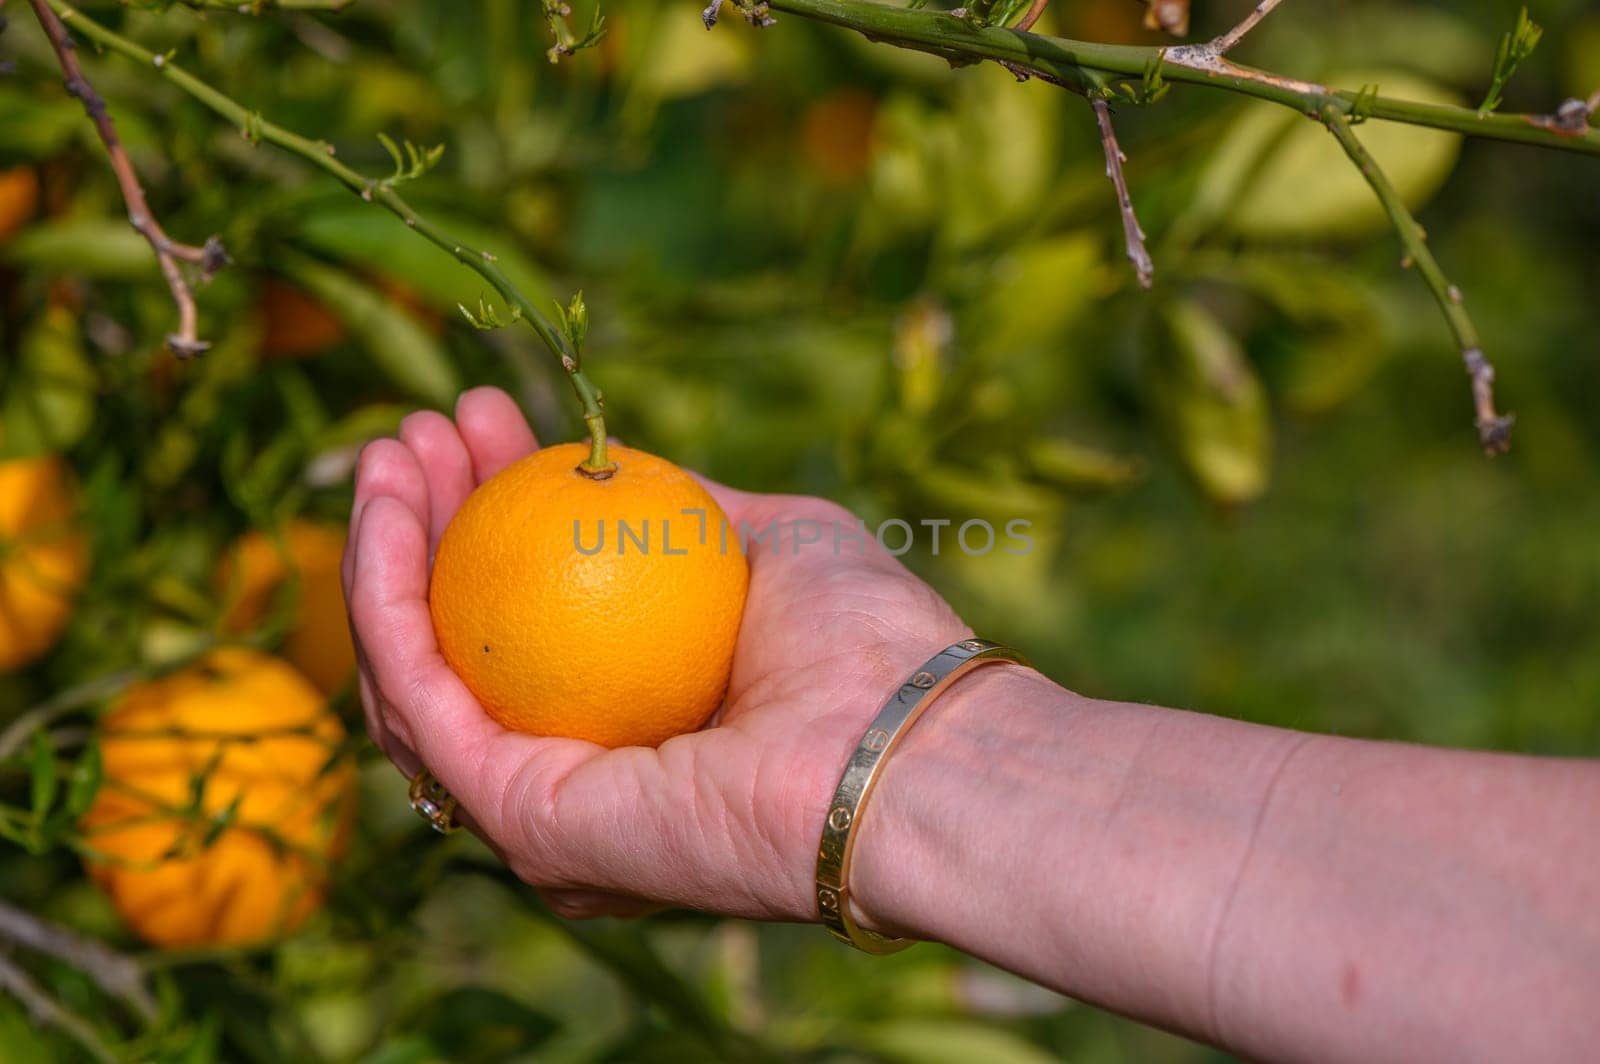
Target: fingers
(389, 608)
(386, 467)
(424, 707)
(493, 429)
(446, 466)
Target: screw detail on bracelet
(860, 776)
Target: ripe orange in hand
(44, 556)
(604, 610)
(254, 736)
(254, 570)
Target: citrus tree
(1065, 264)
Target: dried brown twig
(1138, 254)
(185, 342)
(1226, 42)
(1025, 23)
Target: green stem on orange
(320, 154)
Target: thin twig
(119, 976)
(320, 154)
(1091, 66)
(47, 1011)
(1494, 429)
(185, 342)
(256, 7)
(59, 705)
(1138, 254)
(1226, 43)
(1031, 16)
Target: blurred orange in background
(836, 134)
(256, 568)
(19, 198)
(44, 556)
(295, 325)
(241, 856)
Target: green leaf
(49, 396)
(996, 497)
(98, 248)
(42, 766)
(220, 822)
(362, 424)
(375, 239)
(625, 951)
(934, 1041)
(1036, 291)
(405, 1049)
(477, 1025)
(682, 59)
(391, 338)
(84, 782)
(1000, 159)
(1077, 467)
(1279, 176)
(1338, 339)
(34, 125)
(1211, 405)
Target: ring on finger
(433, 803)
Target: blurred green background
(817, 265)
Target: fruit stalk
(321, 154)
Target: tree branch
(1494, 430)
(256, 7)
(1087, 66)
(1225, 44)
(60, 704)
(117, 975)
(1031, 16)
(46, 1010)
(1138, 254)
(320, 154)
(185, 342)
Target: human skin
(1285, 895)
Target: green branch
(320, 154)
(1087, 67)
(256, 7)
(1494, 430)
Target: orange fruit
(240, 731)
(253, 572)
(19, 198)
(294, 324)
(624, 644)
(44, 556)
(837, 134)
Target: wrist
(945, 780)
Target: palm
(724, 819)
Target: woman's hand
(726, 819)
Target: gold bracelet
(861, 775)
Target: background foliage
(816, 265)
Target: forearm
(1282, 894)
